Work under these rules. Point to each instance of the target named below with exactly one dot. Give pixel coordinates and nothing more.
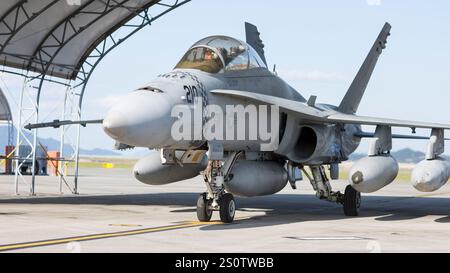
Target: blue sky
(317, 46)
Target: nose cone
(141, 119)
(115, 124)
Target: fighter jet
(222, 82)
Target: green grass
(101, 165)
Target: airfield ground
(115, 213)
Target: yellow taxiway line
(102, 236)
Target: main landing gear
(350, 200)
(216, 199)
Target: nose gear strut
(215, 198)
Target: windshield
(201, 58)
(218, 53)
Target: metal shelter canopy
(63, 41)
(54, 37)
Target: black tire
(227, 208)
(204, 214)
(23, 169)
(352, 201)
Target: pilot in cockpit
(219, 53)
(209, 55)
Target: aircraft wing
(301, 109)
(354, 119)
(313, 114)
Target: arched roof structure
(55, 37)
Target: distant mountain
(402, 156)
(408, 156)
(99, 152)
(53, 145)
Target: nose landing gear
(204, 211)
(227, 208)
(225, 205)
(216, 199)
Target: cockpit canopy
(220, 53)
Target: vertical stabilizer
(253, 39)
(352, 98)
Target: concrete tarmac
(115, 213)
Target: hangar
(62, 42)
(6, 117)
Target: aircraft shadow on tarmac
(271, 210)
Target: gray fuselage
(144, 118)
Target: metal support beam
(25, 157)
(17, 18)
(70, 111)
(64, 32)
